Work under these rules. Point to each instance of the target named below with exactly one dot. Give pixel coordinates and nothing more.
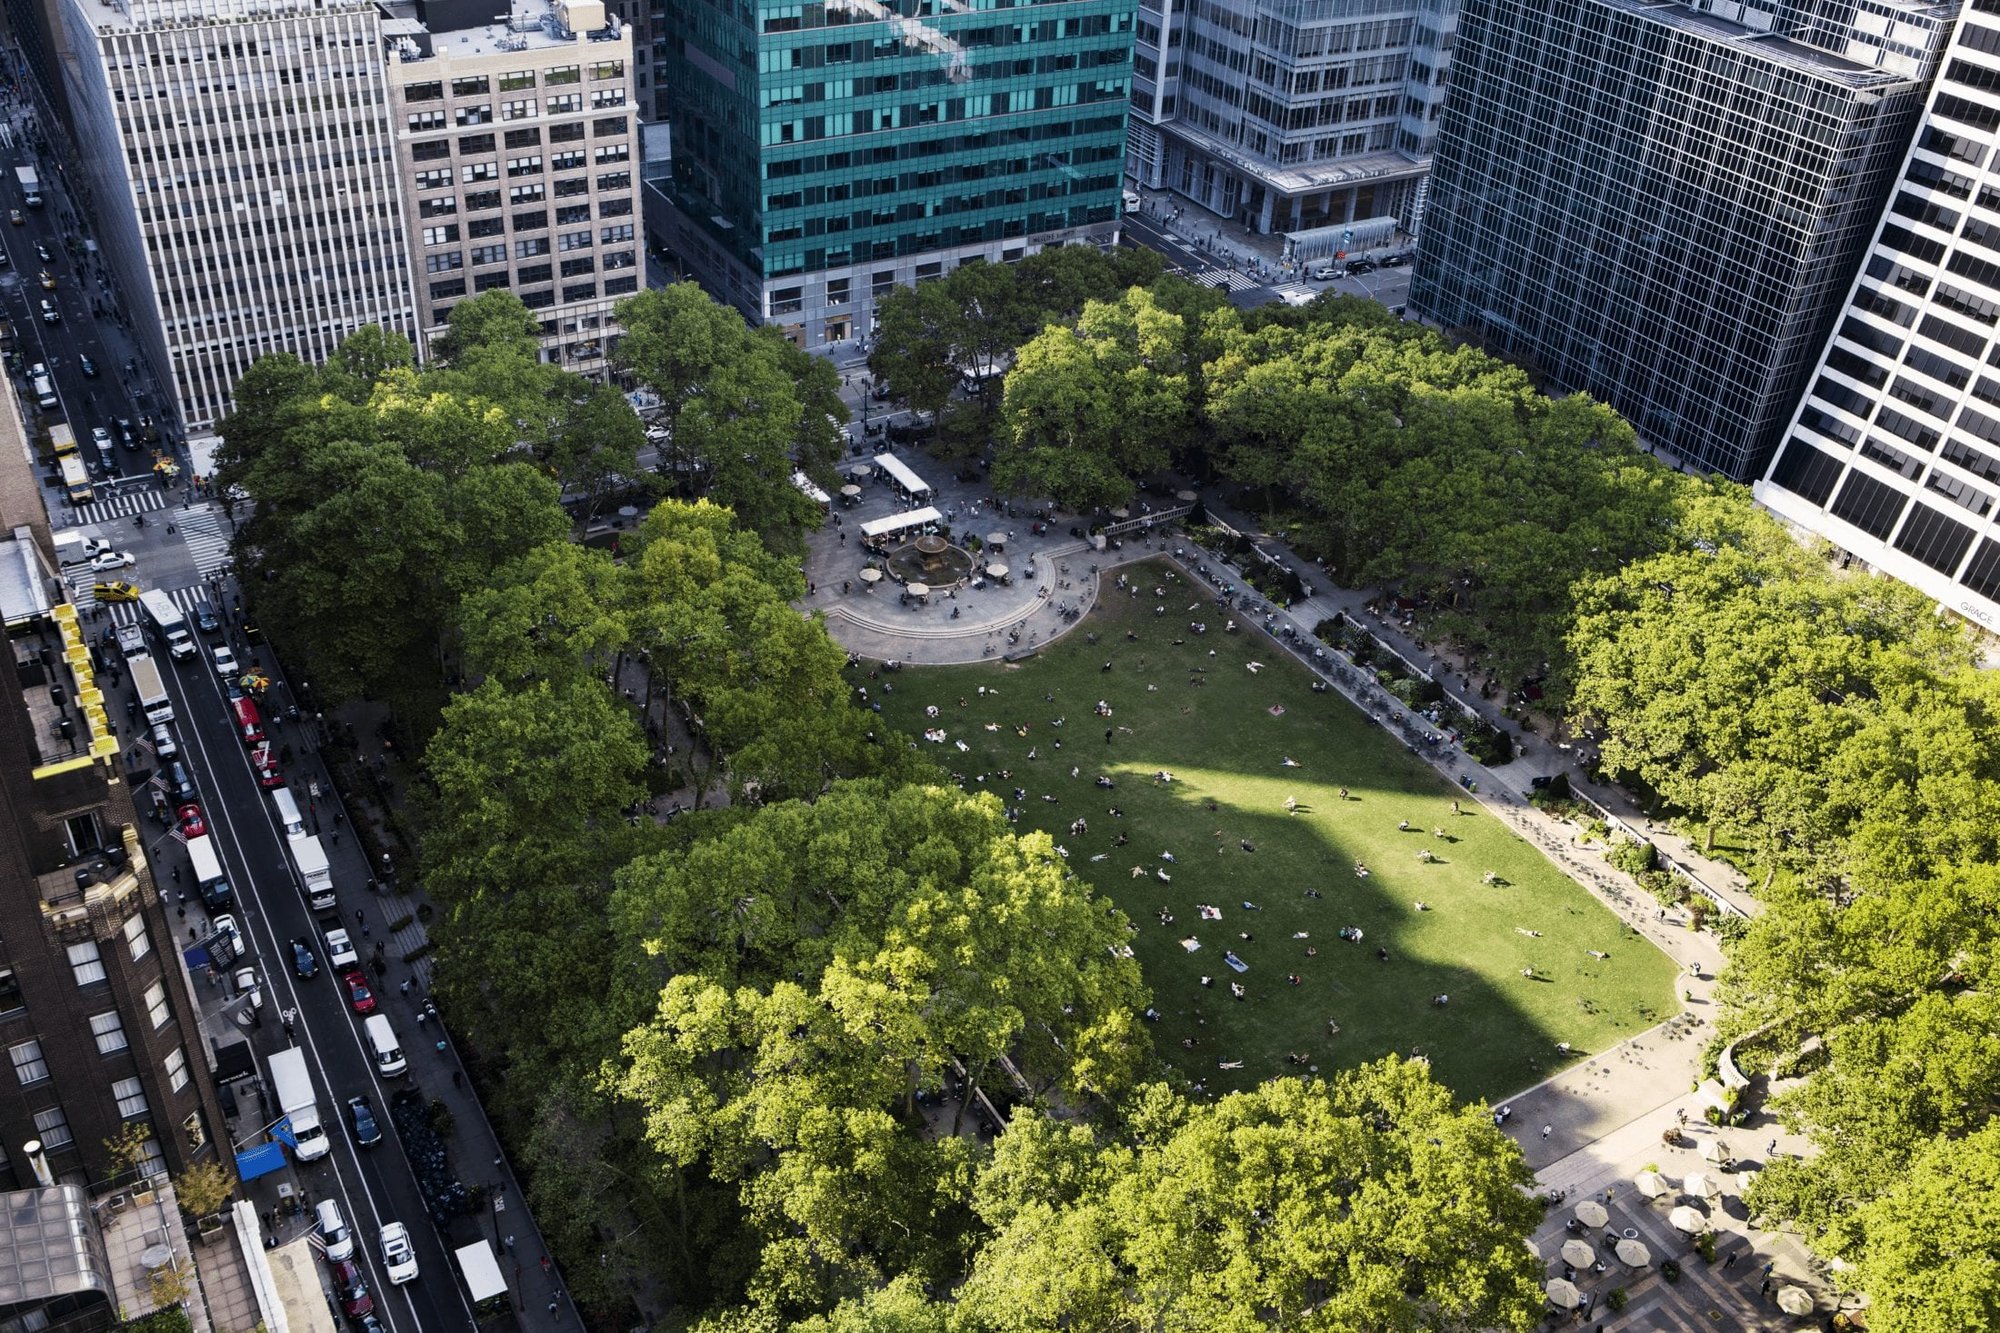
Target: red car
(249, 724)
(265, 761)
(352, 1289)
(358, 993)
(192, 824)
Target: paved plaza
(1590, 1130)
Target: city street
(374, 1184)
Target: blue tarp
(261, 1160)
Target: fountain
(932, 560)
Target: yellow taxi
(14, 216)
(48, 281)
(117, 591)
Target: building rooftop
(456, 29)
(49, 1248)
(1776, 49)
(111, 16)
(1304, 179)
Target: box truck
(314, 873)
(153, 697)
(169, 621)
(293, 1088)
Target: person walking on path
(1548, 1130)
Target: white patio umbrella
(870, 575)
(1652, 1184)
(1591, 1213)
(1690, 1220)
(1563, 1294)
(1578, 1254)
(918, 589)
(996, 539)
(997, 570)
(1701, 1185)
(1634, 1255)
(1795, 1301)
(1715, 1150)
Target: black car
(43, 251)
(366, 1132)
(1393, 261)
(180, 782)
(206, 621)
(87, 366)
(1541, 781)
(303, 961)
(1360, 266)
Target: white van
(288, 814)
(333, 1232)
(382, 1044)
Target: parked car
(1325, 272)
(180, 782)
(358, 993)
(1359, 266)
(225, 662)
(247, 985)
(225, 927)
(206, 621)
(303, 962)
(399, 1257)
(191, 823)
(352, 1289)
(367, 1130)
(1395, 261)
(266, 765)
(164, 744)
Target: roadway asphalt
(82, 287)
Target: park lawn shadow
(1238, 744)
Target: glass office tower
(1663, 204)
(824, 152)
(1895, 452)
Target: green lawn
(1225, 742)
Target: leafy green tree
(490, 322)
(817, 965)
(1928, 1250)
(918, 336)
(676, 338)
(1366, 1202)
(1090, 408)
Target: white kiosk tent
(901, 475)
(878, 528)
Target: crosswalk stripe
(1208, 277)
(201, 528)
(122, 504)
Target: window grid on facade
(29, 1066)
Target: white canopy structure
(903, 522)
(901, 474)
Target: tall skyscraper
(824, 153)
(97, 1012)
(1894, 454)
(1663, 203)
(243, 167)
(1286, 116)
(515, 143)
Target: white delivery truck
(208, 876)
(293, 1088)
(314, 873)
(484, 1282)
(153, 698)
(169, 621)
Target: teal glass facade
(823, 149)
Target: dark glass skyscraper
(826, 151)
(1663, 204)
